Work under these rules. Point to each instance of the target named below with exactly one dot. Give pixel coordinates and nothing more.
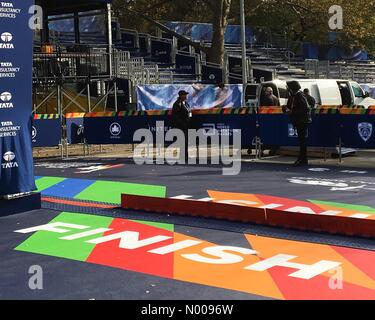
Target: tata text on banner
(161, 97)
(16, 46)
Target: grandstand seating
(145, 59)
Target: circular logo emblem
(6, 37)
(9, 156)
(80, 130)
(6, 96)
(34, 132)
(115, 129)
(212, 77)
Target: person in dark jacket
(181, 118)
(310, 99)
(300, 115)
(269, 99)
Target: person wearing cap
(181, 117)
(300, 115)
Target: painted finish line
(267, 267)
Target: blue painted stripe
(68, 188)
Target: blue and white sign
(16, 49)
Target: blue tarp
(333, 53)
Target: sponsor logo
(160, 53)
(8, 129)
(115, 129)
(6, 38)
(9, 157)
(5, 99)
(34, 132)
(365, 131)
(80, 130)
(219, 129)
(7, 70)
(292, 132)
(7, 10)
(6, 96)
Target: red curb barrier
(300, 221)
(322, 223)
(194, 208)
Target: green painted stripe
(359, 208)
(49, 243)
(47, 182)
(110, 192)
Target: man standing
(300, 116)
(310, 99)
(269, 99)
(181, 118)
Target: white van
(327, 92)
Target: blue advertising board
(212, 74)
(277, 130)
(357, 131)
(74, 129)
(161, 50)
(46, 131)
(16, 46)
(186, 63)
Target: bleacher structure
(96, 75)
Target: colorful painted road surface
(112, 254)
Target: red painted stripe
(78, 203)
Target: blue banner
(46, 132)
(186, 63)
(358, 131)
(129, 40)
(16, 46)
(162, 97)
(355, 130)
(277, 130)
(74, 130)
(212, 74)
(161, 50)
